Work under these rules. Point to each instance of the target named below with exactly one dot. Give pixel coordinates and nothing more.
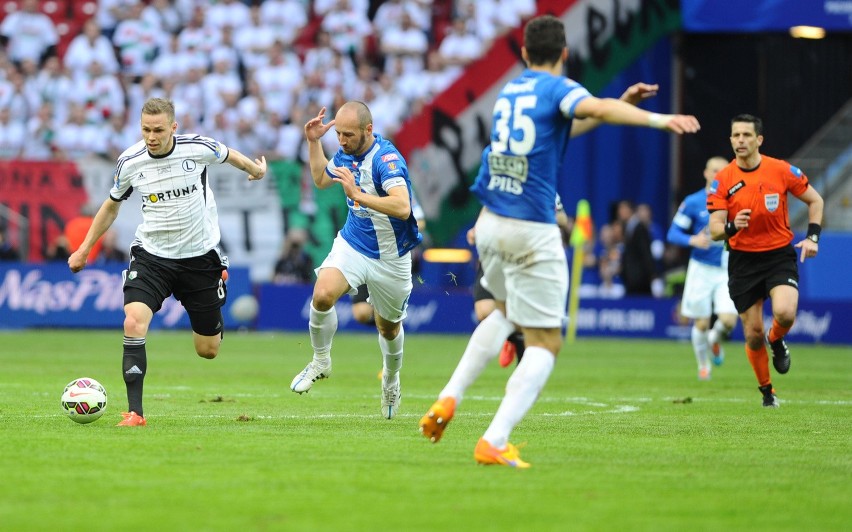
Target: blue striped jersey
(372, 233)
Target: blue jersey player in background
(517, 239)
(706, 287)
(373, 248)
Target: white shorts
(524, 264)
(387, 280)
(705, 291)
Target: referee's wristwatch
(813, 238)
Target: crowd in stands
(247, 72)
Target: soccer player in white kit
(176, 249)
(373, 247)
(706, 287)
(519, 244)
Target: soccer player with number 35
(518, 241)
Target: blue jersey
(372, 233)
(530, 128)
(692, 218)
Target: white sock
(322, 325)
(392, 354)
(484, 345)
(701, 346)
(522, 390)
(719, 333)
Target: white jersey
(179, 217)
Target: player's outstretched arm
(634, 95)
(103, 220)
(255, 169)
(614, 111)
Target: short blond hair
(158, 106)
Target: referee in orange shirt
(748, 207)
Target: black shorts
(479, 292)
(196, 282)
(361, 296)
(751, 275)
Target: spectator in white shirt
(348, 27)
(285, 17)
(100, 94)
(41, 130)
(29, 34)
(76, 138)
(406, 44)
(13, 136)
(227, 13)
(88, 46)
(52, 85)
(164, 14)
(138, 42)
(254, 40)
(460, 47)
(279, 79)
(112, 12)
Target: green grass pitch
(623, 437)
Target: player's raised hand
(315, 129)
(262, 164)
(682, 124)
(638, 92)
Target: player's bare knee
(134, 327)
(323, 300)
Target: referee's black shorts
(751, 275)
(196, 282)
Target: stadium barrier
(48, 295)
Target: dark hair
(544, 39)
(758, 123)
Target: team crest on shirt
(771, 201)
(188, 165)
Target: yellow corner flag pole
(580, 234)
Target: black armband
(731, 229)
(813, 232)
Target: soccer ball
(84, 400)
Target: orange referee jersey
(764, 191)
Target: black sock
(134, 366)
(517, 339)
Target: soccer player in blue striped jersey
(373, 247)
(706, 287)
(176, 249)
(519, 244)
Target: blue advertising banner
(49, 295)
(286, 307)
(765, 15)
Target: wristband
(658, 121)
(731, 229)
(813, 232)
